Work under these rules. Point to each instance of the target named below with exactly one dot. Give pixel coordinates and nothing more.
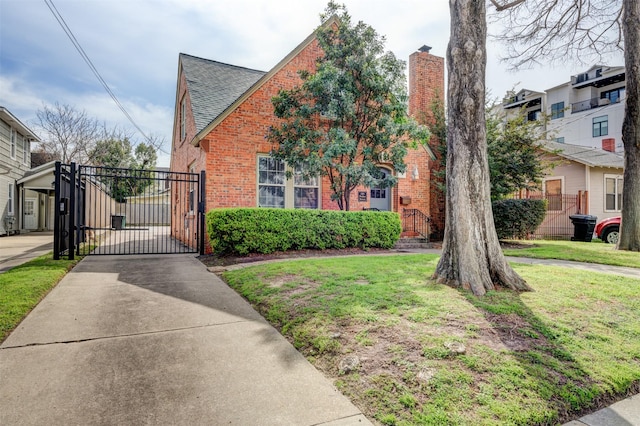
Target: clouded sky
(134, 45)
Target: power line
(87, 60)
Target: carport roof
(38, 172)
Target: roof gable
(213, 86)
(259, 83)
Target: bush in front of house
(518, 218)
(260, 230)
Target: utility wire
(89, 63)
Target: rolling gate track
(116, 211)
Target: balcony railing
(591, 103)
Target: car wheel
(611, 235)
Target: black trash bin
(583, 227)
(117, 221)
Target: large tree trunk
(630, 231)
(471, 253)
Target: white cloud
(135, 47)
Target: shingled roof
(214, 86)
(592, 157)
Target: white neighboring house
(582, 169)
(15, 161)
(37, 192)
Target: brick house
(223, 113)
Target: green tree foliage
(112, 156)
(515, 161)
(350, 114)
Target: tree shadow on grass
(536, 344)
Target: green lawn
(593, 252)
(22, 287)
(532, 358)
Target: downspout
(587, 182)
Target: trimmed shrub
(260, 230)
(518, 218)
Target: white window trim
(604, 192)
(25, 151)
(10, 201)
(13, 142)
(289, 186)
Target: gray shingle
(593, 157)
(214, 86)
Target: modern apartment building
(587, 110)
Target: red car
(608, 230)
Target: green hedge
(259, 230)
(518, 218)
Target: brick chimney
(609, 144)
(426, 81)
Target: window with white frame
(25, 151)
(601, 126)
(271, 182)
(276, 191)
(305, 191)
(612, 193)
(10, 208)
(12, 149)
(557, 110)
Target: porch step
(413, 243)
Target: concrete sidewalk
(157, 340)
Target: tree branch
(502, 7)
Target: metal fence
(557, 223)
(107, 210)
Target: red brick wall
(236, 142)
(229, 152)
(183, 155)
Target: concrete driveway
(18, 249)
(135, 340)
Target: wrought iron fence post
(72, 211)
(201, 211)
(56, 212)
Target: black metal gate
(107, 210)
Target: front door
(381, 197)
(30, 213)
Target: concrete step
(413, 243)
